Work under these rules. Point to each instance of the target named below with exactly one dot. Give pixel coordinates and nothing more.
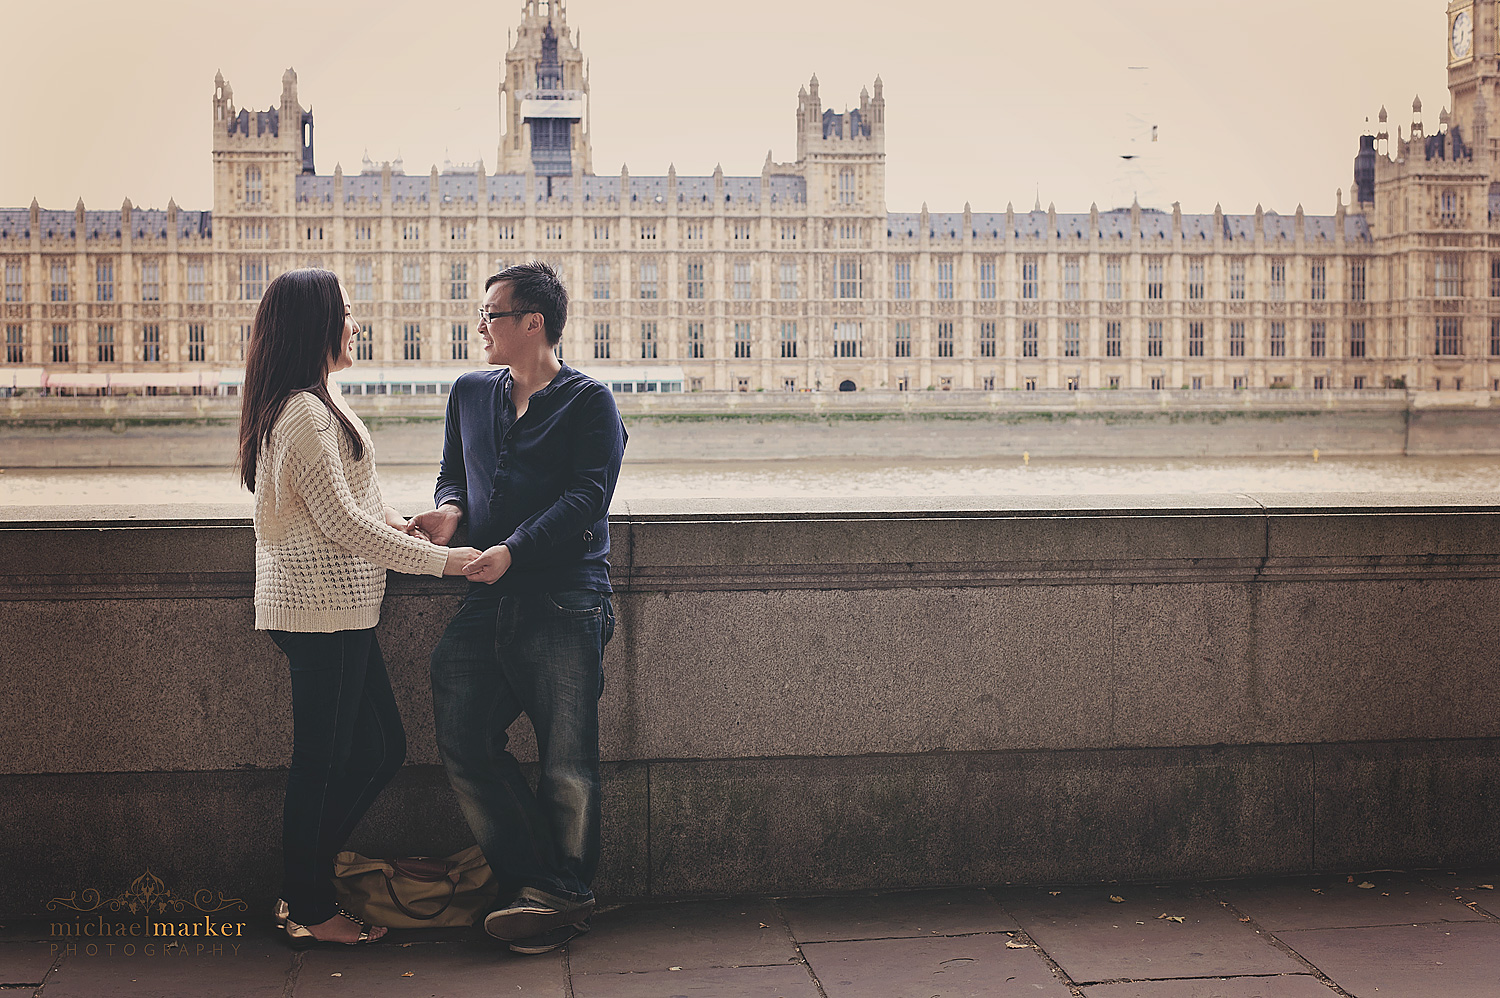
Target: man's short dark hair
(536, 287)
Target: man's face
(501, 338)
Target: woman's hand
(394, 519)
(458, 558)
(490, 565)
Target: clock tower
(1474, 68)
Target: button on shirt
(542, 484)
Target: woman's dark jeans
(347, 743)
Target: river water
(409, 487)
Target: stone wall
(821, 695)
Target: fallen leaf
(335, 975)
(1349, 881)
(1054, 893)
(674, 968)
(1317, 890)
(1365, 885)
(1486, 887)
(1245, 919)
(408, 974)
(763, 925)
(1117, 899)
(1012, 944)
(1170, 918)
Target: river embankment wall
(202, 431)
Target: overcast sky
(986, 102)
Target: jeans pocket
(576, 603)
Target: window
(601, 281)
(742, 384)
(1449, 275)
(1072, 281)
(57, 286)
(197, 348)
(1356, 339)
(846, 185)
(1359, 381)
(648, 232)
(850, 277)
(695, 384)
(458, 282)
(1278, 339)
(601, 341)
(1238, 381)
(1029, 283)
(648, 341)
(1153, 339)
(1495, 337)
(196, 290)
(1114, 285)
(252, 185)
(506, 233)
(363, 232)
(986, 339)
(104, 280)
(252, 279)
(741, 232)
(1319, 280)
(364, 281)
(742, 339)
(1114, 381)
(695, 279)
(742, 280)
(1195, 278)
(15, 287)
(1237, 279)
(1449, 206)
(104, 343)
(847, 339)
(1072, 337)
(1495, 277)
(1155, 281)
(695, 340)
(1197, 382)
(1236, 339)
(411, 232)
(945, 339)
(151, 281)
(903, 339)
(1195, 339)
(59, 343)
(1029, 338)
(411, 341)
(553, 232)
(987, 277)
(15, 344)
(788, 279)
(788, 232)
(458, 341)
(458, 232)
(989, 383)
(901, 279)
(1317, 341)
(150, 343)
(1112, 339)
(788, 384)
(1158, 382)
(788, 339)
(1030, 384)
(903, 383)
(601, 232)
(944, 277)
(1357, 280)
(364, 345)
(647, 278)
(245, 328)
(411, 280)
(1278, 279)
(1450, 339)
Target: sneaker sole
(524, 923)
(517, 947)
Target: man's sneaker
(532, 914)
(550, 940)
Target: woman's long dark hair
(298, 333)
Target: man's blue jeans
(541, 654)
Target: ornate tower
(257, 156)
(1474, 71)
(842, 156)
(544, 88)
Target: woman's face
(345, 359)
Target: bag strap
(391, 890)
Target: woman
(323, 541)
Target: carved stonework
(1197, 307)
(789, 308)
(943, 308)
(411, 309)
(1156, 308)
(1030, 308)
(849, 308)
(1318, 308)
(196, 311)
(105, 311)
(695, 308)
(15, 311)
(987, 308)
(1114, 308)
(901, 308)
(743, 308)
(1237, 308)
(150, 311)
(1277, 308)
(59, 311)
(1073, 308)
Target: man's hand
(437, 525)
(490, 565)
(458, 558)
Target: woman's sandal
(302, 937)
(280, 913)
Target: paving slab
(24, 963)
(1478, 889)
(1095, 939)
(739, 982)
(692, 935)
(945, 967)
(1333, 902)
(454, 970)
(1279, 986)
(258, 969)
(1445, 960)
(895, 914)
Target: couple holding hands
(531, 454)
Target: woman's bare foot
(339, 929)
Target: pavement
(1369, 934)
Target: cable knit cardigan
(321, 541)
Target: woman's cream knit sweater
(321, 541)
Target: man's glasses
(485, 316)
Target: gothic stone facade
(798, 278)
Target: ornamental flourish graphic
(147, 895)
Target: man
(531, 454)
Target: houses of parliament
(795, 279)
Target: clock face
(1463, 35)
